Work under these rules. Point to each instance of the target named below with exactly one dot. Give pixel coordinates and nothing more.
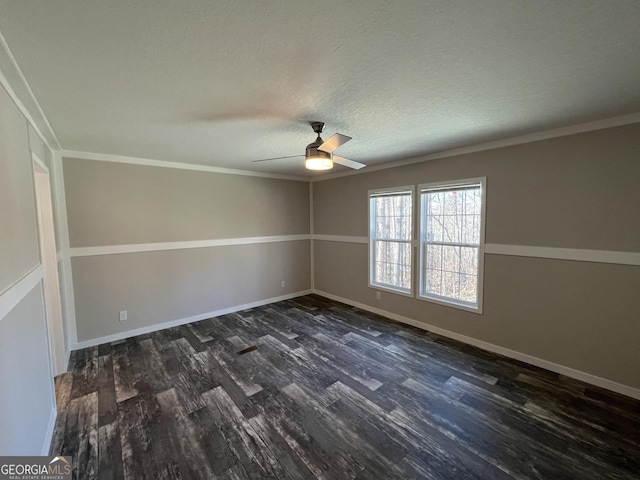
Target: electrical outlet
(378, 295)
(124, 316)
(283, 284)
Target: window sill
(387, 288)
(452, 303)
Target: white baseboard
(46, 446)
(538, 362)
(182, 321)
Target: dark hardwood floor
(331, 392)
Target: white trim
(68, 357)
(341, 238)
(41, 167)
(48, 255)
(576, 254)
(105, 157)
(505, 142)
(312, 247)
(67, 275)
(48, 437)
(14, 96)
(59, 257)
(154, 247)
(13, 295)
(176, 323)
(538, 362)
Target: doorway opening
(48, 256)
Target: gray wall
(26, 402)
(578, 191)
(162, 286)
(112, 204)
(26, 399)
(19, 251)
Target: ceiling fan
(319, 154)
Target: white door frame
(48, 256)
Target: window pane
(449, 204)
(450, 258)
(451, 229)
(391, 233)
(468, 288)
(469, 260)
(473, 201)
(451, 222)
(435, 204)
(392, 217)
(471, 225)
(379, 272)
(450, 284)
(433, 281)
(392, 263)
(435, 228)
(433, 256)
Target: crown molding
(505, 142)
(148, 162)
(24, 98)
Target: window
(390, 233)
(452, 243)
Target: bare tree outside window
(390, 236)
(451, 226)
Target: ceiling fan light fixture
(319, 154)
(318, 163)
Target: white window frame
(372, 238)
(477, 308)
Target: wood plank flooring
(331, 392)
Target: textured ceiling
(223, 83)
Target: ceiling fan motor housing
(313, 152)
(316, 159)
(312, 148)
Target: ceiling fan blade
(277, 158)
(347, 163)
(334, 142)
